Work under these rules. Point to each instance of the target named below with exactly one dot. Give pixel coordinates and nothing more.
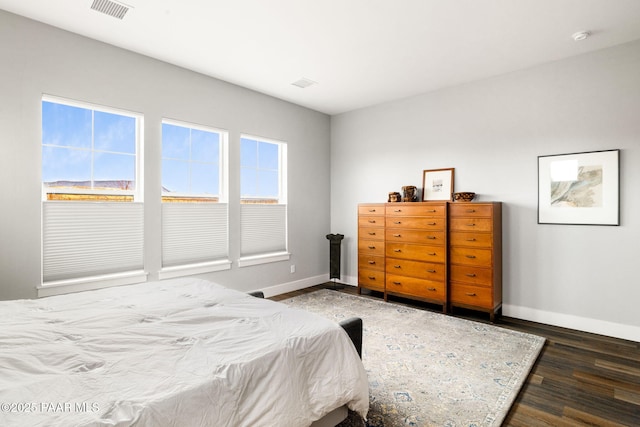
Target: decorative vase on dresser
(371, 246)
(416, 251)
(475, 256)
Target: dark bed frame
(352, 326)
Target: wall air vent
(303, 83)
(111, 8)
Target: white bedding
(183, 352)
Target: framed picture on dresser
(437, 184)
(579, 188)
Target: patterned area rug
(430, 369)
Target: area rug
(430, 369)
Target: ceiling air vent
(303, 83)
(111, 8)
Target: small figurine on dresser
(394, 196)
(410, 193)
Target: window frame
(172, 270)
(96, 198)
(223, 165)
(92, 194)
(282, 199)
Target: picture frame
(437, 184)
(579, 188)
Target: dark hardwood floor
(579, 379)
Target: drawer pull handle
(431, 237)
(397, 235)
(397, 222)
(397, 250)
(397, 210)
(432, 253)
(471, 210)
(372, 221)
(433, 223)
(431, 210)
(372, 210)
(471, 225)
(470, 256)
(431, 271)
(471, 240)
(471, 275)
(372, 277)
(372, 233)
(471, 294)
(372, 247)
(397, 266)
(431, 289)
(372, 262)
(397, 283)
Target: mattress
(183, 352)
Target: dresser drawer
(370, 262)
(470, 210)
(416, 210)
(415, 252)
(471, 224)
(416, 222)
(371, 221)
(416, 287)
(471, 274)
(478, 240)
(372, 209)
(371, 279)
(421, 270)
(414, 236)
(371, 247)
(470, 256)
(471, 295)
(371, 233)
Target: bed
(183, 352)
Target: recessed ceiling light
(303, 83)
(581, 35)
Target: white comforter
(183, 352)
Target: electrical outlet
(293, 268)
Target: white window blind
(84, 239)
(193, 232)
(263, 228)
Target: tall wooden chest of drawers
(440, 252)
(475, 256)
(416, 251)
(371, 246)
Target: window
(194, 208)
(191, 169)
(91, 190)
(89, 154)
(263, 211)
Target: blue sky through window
(259, 169)
(82, 146)
(190, 161)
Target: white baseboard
(585, 324)
(297, 285)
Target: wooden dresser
(475, 256)
(416, 251)
(439, 252)
(371, 246)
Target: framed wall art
(579, 188)
(437, 184)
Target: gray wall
(37, 59)
(492, 131)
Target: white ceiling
(360, 52)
